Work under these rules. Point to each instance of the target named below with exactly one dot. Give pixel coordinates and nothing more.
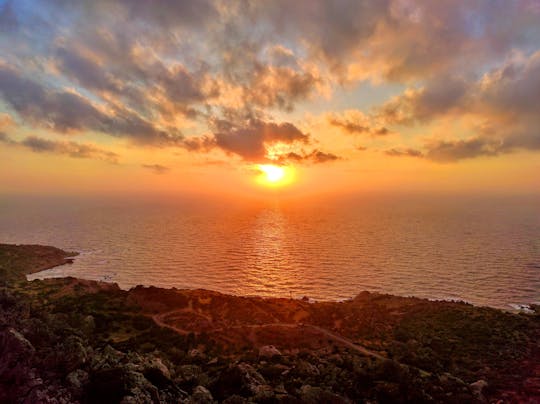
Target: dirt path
(159, 320)
(347, 342)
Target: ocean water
(482, 250)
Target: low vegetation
(70, 340)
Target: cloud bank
(209, 76)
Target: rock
(271, 371)
(108, 385)
(16, 373)
(88, 324)
(157, 373)
(121, 385)
(141, 389)
(315, 395)
(235, 399)
(268, 351)
(188, 375)
(263, 393)
(477, 389)
(197, 355)
(73, 353)
(107, 358)
(305, 368)
(241, 379)
(213, 361)
(201, 395)
(78, 379)
(17, 343)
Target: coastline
(523, 307)
(373, 346)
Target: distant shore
(90, 341)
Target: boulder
(477, 389)
(197, 355)
(188, 376)
(157, 373)
(72, 353)
(16, 358)
(268, 352)
(77, 379)
(201, 395)
(141, 389)
(107, 358)
(241, 379)
(109, 385)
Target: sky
(192, 96)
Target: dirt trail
(158, 319)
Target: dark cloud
(512, 88)
(315, 157)
(71, 149)
(403, 153)
(4, 138)
(357, 124)
(502, 106)
(85, 71)
(199, 143)
(250, 141)
(156, 168)
(448, 151)
(279, 87)
(165, 13)
(329, 30)
(64, 111)
(434, 99)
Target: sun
(274, 175)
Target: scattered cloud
(71, 149)
(314, 157)
(448, 151)
(356, 122)
(66, 111)
(403, 153)
(149, 72)
(156, 168)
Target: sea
(479, 249)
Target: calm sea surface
(485, 251)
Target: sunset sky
(170, 96)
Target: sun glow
(273, 175)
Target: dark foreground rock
(69, 340)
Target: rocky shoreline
(71, 340)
